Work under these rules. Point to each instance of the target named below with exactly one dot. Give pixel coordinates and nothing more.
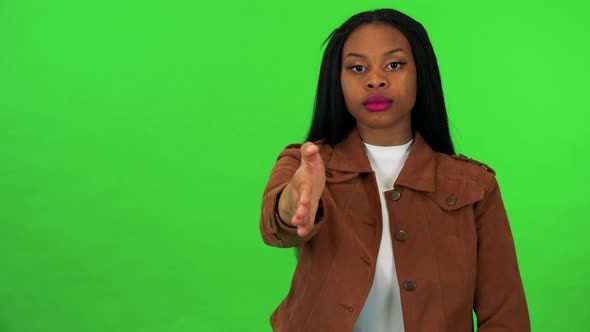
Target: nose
(377, 81)
(381, 84)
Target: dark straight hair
(331, 120)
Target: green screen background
(136, 138)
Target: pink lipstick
(377, 103)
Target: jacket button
(451, 200)
(401, 235)
(395, 195)
(329, 174)
(410, 285)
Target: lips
(377, 100)
(377, 103)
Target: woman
(395, 232)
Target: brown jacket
(452, 244)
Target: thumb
(310, 156)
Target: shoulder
(464, 158)
(461, 167)
(460, 181)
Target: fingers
(303, 231)
(304, 216)
(306, 226)
(304, 219)
(300, 214)
(305, 194)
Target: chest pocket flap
(333, 176)
(453, 194)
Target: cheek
(349, 95)
(410, 88)
(413, 91)
(344, 85)
(347, 87)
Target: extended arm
(291, 203)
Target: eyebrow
(362, 56)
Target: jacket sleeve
(274, 231)
(499, 303)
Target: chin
(379, 125)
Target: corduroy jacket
(452, 243)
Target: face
(378, 79)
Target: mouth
(377, 103)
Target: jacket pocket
(333, 176)
(454, 194)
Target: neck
(385, 136)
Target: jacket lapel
(418, 172)
(349, 155)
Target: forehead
(375, 37)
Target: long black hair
(331, 120)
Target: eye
(395, 65)
(356, 68)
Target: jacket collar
(418, 172)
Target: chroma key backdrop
(136, 138)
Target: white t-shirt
(382, 311)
